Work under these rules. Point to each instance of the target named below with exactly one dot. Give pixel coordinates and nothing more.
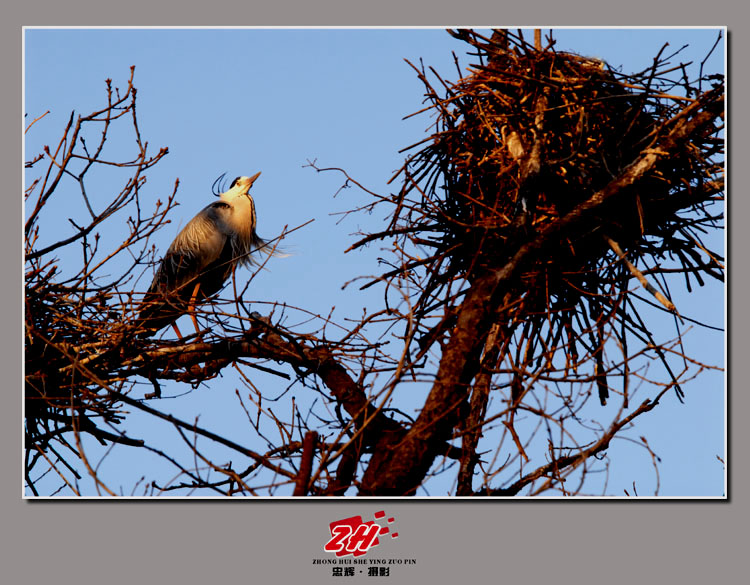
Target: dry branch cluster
(88, 364)
(541, 143)
(521, 223)
(74, 308)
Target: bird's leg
(177, 331)
(191, 307)
(236, 299)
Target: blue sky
(249, 100)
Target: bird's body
(203, 256)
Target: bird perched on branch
(202, 257)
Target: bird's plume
(218, 186)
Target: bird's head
(239, 187)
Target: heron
(202, 257)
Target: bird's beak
(252, 179)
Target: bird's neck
(243, 213)
(233, 196)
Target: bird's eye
(234, 182)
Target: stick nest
(530, 139)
